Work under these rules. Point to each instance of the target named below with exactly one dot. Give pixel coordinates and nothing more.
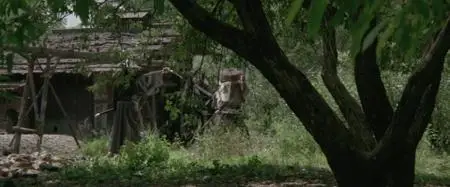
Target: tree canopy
(374, 144)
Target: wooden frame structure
(40, 113)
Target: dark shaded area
(73, 94)
(176, 129)
(219, 175)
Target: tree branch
(348, 105)
(424, 112)
(227, 35)
(418, 91)
(371, 90)
(252, 17)
(265, 54)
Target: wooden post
(61, 107)
(32, 87)
(43, 110)
(23, 106)
(27, 111)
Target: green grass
(229, 158)
(279, 149)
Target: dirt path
(61, 145)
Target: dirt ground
(55, 144)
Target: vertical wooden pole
(23, 106)
(33, 93)
(43, 110)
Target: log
(23, 130)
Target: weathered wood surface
(22, 113)
(95, 48)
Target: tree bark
(392, 161)
(371, 90)
(347, 104)
(418, 89)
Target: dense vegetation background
(280, 148)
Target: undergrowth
(279, 149)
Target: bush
(439, 130)
(279, 145)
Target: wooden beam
(61, 107)
(43, 108)
(90, 57)
(23, 130)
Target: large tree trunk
(398, 173)
(391, 162)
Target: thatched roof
(93, 49)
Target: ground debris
(29, 165)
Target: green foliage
(439, 130)
(23, 21)
(96, 147)
(315, 15)
(117, 79)
(278, 143)
(290, 154)
(82, 9)
(405, 23)
(293, 10)
(136, 157)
